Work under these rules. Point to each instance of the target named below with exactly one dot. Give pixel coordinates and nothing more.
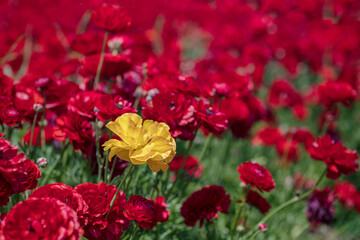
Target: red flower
(49, 131)
(331, 92)
(79, 131)
(176, 110)
(113, 64)
(210, 118)
(346, 192)
(83, 104)
(24, 100)
(67, 195)
(8, 112)
(110, 108)
(258, 201)
(205, 204)
(98, 198)
(45, 218)
(191, 164)
(145, 212)
(337, 158)
(111, 18)
(256, 175)
(268, 136)
(7, 151)
(20, 173)
(5, 191)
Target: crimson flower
(256, 175)
(338, 159)
(211, 118)
(41, 218)
(8, 112)
(110, 108)
(347, 193)
(257, 201)
(67, 195)
(146, 212)
(205, 204)
(191, 165)
(111, 18)
(83, 104)
(98, 198)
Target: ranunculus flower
(256, 175)
(79, 131)
(111, 18)
(191, 165)
(205, 204)
(258, 201)
(98, 198)
(5, 191)
(67, 195)
(332, 92)
(320, 207)
(338, 159)
(211, 118)
(346, 192)
(84, 103)
(8, 112)
(145, 212)
(111, 108)
(41, 218)
(113, 64)
(20, 172)
(177, 110)
(267, 136)
(142, 142)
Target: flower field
(193, 119)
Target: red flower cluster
(17, 173)
(145, 212)
(257, 176)
(338, 159)
(41, 218)
(193, 167)
(205, 204)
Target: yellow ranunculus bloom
(141, 142)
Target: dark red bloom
(113, 65)
(20, 172)
(7, 151)
(347, 193)
(24, 100)
(332, 92)
(146, 212)
(98, 198)
(176, 110)
(79, 131)
(337, 158)
(87, 42)
(211, 118)
(111, 18)
(320, 207)
(191, 165)
(5, 191)
(84, 103)
(258, 201)
(41, 218)
(205, 204)
(8, 112)
(256, 175)
(67, 195)
(110, 108)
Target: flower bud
(42, 162)
(262, 227)
(38, 107)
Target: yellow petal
(155, 166)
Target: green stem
(286, 204)
(98, 155)
(32, 133)
(48, 173)
(101, 61)
(134, 232)
(181, 169)
(112, 170)
(119, 187)
(106, 167)
(238, 215)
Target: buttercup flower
(256, 175)
(142, 142)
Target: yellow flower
(141, 142)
